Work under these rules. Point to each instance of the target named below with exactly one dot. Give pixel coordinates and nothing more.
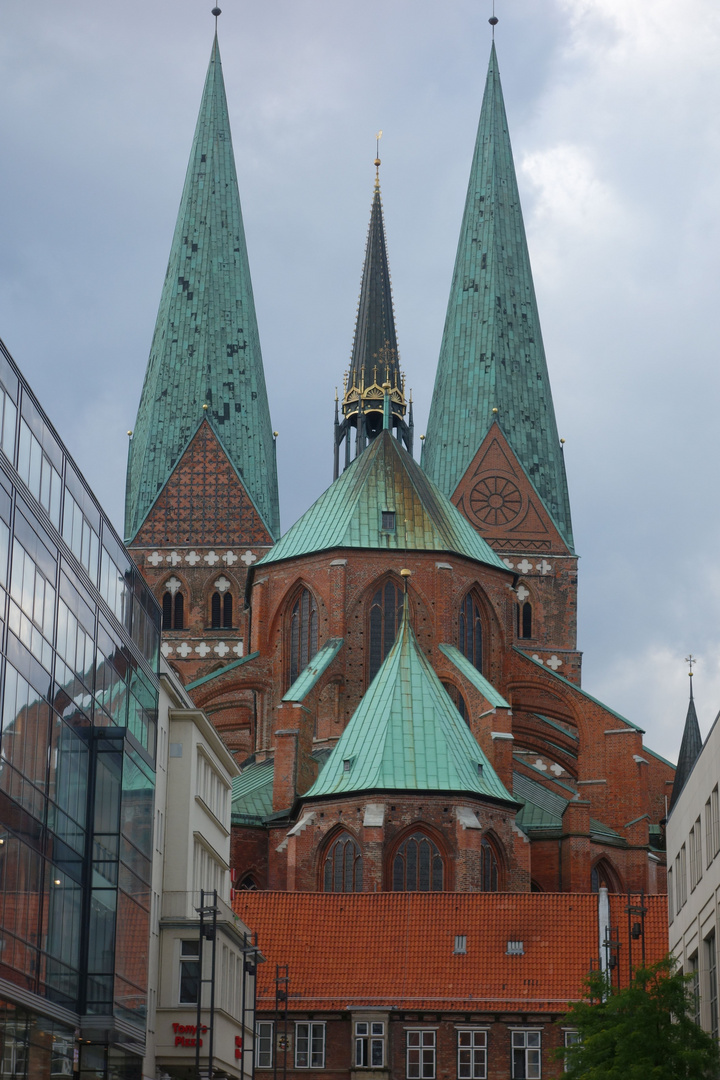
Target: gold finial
(422, 438)
(495, 409)
(130, 434)
(275, 434)
(336, 394)
(205, 407)
(406, 573)
(378, 137)
(690, 660)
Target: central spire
(375, 362)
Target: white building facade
(693, 860)
(191, 859)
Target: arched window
(173, 610)
(524, 620)
(385, 615)
(248, 884)
(215, 610)
(221, 611)
(603, 876)
(488, 867)
(303, 633)
(343, 869)
(418, 866)
(458, 701)
(470, 628)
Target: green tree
(644, 1032)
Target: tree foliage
(643, 1032)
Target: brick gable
(203, 502)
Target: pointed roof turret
(690, 748)
(492, 362)
(375, 360)
(205, 360)
(406, 734)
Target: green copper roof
(206, 349)
(320, 662)
(406, 734)
(384, 478)
(492, 354)
(471, 673)
(252, 792)
(221, 671)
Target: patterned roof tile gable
(492, 355)
(206, 348)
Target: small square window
(388, 521)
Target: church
(397, 676)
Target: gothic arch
(220, 608)
(525, 612)
(604, 874)
(340, 864)
(301, 630)
(472, 629)
(493, 863)
(457, 697)
(382, 613)
(173, 593)
(417, 861)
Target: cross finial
(493, 20)
(378, 137)
(690, 660)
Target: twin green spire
(492, 355)
(206, 348)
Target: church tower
(375, 361)
(202, 498)
(492, 444)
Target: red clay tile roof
(385, 949)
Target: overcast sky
(613, 111)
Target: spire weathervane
(378, 137)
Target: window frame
(378, 600)
(366, 1042)
(187, 958)
(418, 1071)
(418, 834)
(311, 1025)
(304, 640)
(270, 1052)
(470, 1070)
(523, 1048)
(344, 838)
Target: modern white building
(192, 853)
(693, 860)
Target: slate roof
(396, 949)
(206, 347)
(375, 347)
(690, 748)
(492, 355)
(406, 734)
(383, 478)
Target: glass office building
(79, 643)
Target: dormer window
(388, 521)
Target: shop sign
(186, 1034)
